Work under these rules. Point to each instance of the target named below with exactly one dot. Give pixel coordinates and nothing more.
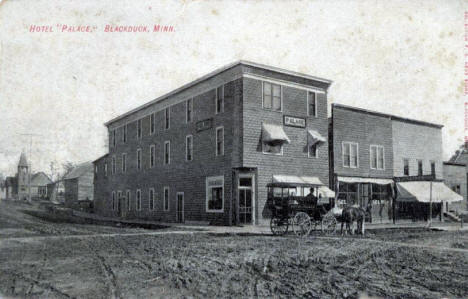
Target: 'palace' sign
(294, 121)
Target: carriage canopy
(293, 181)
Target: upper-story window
(152, 155)
(139, 129)
(420, 167)
(113, 164)
(124, 133)
(272, 96)
(152, 123)
(124, 162)
(313, 150)
(189, 110)
(113, 138)
(433, 168)
(219, 141)
(312, 104)
(189, 148)
(350, 154)
(219, 99)
(167, 118)
(377, 157)
(138, 159)
(105, 169)
(167, 152)
(405, 167)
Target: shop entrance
(246, 199)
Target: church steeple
(23, 176)
(23, 161)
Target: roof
(79, 170)
(390, 116)
(102, 157)
(454, 163)
(23, 161)
(40, 179)
(212, 74)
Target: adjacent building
(455, 179)
(386, 162)
(79, 187)
(207, 150)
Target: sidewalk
(265, 228)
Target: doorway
(246, 197)
(180, 207)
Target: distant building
(10, 185)
(455, 178)
(39, 182)
(79, 188)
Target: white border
(221, 177)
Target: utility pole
(30, 135)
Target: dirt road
(204, 265)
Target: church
(25, 183)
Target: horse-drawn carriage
(292, 206)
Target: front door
(180, 207)
(246, 200)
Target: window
(138, 159)
(138, 200)
(124, 162)
(271, 96)
(152, 155)
(167, 118)
(95, 169)
(113, 138)
(139, 128)
(188, 110)
(312, 104)
(420, 167)
(377, 157)
(350, 154)
(105, 169)
(433, 170)
(113, 164)
(166, 198)
(152, 123)
(128, 200)
(219, 99)
(167, 152)
(151, 199)
(313, 150)
(189, 148)
(456, 189)
(113, 200)
(219, 141)
(348, 194)
(124, 134)
(405, 167)
(215, 194)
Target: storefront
(373, 194)
(419, 200)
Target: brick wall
(180, 175)
(295, 160)
(364, 129)
(414, 141)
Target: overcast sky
(399, 57)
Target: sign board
(294, 121)
(205, 124)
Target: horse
(351, 214)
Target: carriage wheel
(279, 226)
(302, 224)
(329, 224)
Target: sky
(399, 57)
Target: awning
(421, 192)
(314, 137)
(274, 134)
(351, 180)
(293, 180)
(326, 192)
